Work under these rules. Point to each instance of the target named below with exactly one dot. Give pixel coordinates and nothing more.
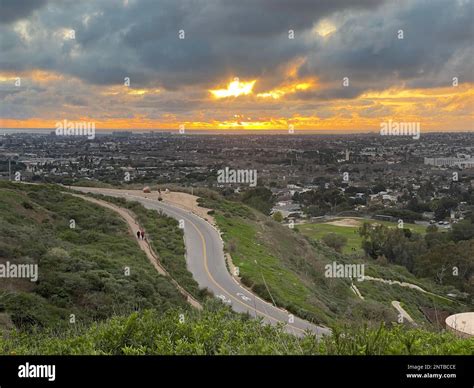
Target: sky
(323, 65)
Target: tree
(277, 216)
(463, 230)
(259, 198)
(377, 188)
(395, 244)
(443, 207)
(314, 211)
(448, 263)
(373, 239)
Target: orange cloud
(447, 108)
(288, 88)
(38, 76)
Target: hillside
(82, 270)
(284, 266)
(166, 239)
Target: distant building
(450, 162)
(383, 217)
(122, 133)
(287, 209)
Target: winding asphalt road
(205, 260)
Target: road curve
(205, 260)
(133, 226)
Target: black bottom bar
(323, 371)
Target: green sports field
(318, 230)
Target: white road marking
(224, 299)
(243, 297)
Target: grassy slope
(318, 230)
(271, 256)
(257, 264)
(166, 239)
(411, 299)
(81, 270)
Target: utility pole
(9, 169)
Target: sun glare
(235, 88)
(325, 28)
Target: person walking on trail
(138, 234)
(142, 234)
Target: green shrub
(218, 331)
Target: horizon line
(233, 131)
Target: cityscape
(287, 165)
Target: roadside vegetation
(81, 272)
(166, 239)
(443, 258)
(285, 267)
(218, 331)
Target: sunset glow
(339, 70)
(234, 89)
(286, 89)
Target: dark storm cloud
(141, 40)
(13, 10)
(437, 43)
(248, 39)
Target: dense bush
(218, 331)
(259, 198)
(335, 241)
(443, 257)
